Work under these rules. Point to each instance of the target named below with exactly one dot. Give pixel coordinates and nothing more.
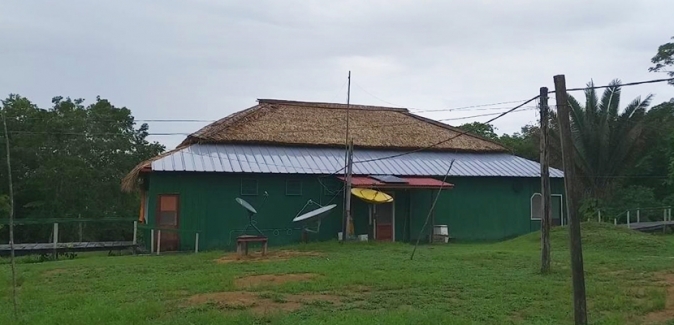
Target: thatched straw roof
(324, 124)
(296, 123)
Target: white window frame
(531, 207)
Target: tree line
(67, 162)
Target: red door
(384, 221)
(168, 218)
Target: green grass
(496, 283)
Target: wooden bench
(242, 243)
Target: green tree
(525, 143)
(607, 141)
(68, 161)
(664, 59)
(485, 130)
(657, 152)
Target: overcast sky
(205, 59)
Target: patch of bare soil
(260, 303)
(281, 255)
(54, 272)
(666, 314)
(272, 279)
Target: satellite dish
(315, 214)
(246, 205)
(251, 213)
(371, 196)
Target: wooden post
(56, 234)
(615, 221)
(151, 241)
(572, 201)
(638, 216)
(430, 234)
(56, 239)
(135, 232)
(599, 215)
(158, 241)
(80, 228)
(196, 243)
(628, 218)
(12, 262)
(546, 219)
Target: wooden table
(242, 243)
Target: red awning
(410, 182)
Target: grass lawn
(628, 275)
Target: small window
(536, 206)
(248, 186)
(293, 187)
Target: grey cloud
(208, 58)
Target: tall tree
(607, 141)
(664, 60)
(485, 130)
(68, 162)
(652, 165)
(525, 143)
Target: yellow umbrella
(371, 196)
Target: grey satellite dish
(251, 213)
(246, 205)
(316, 214)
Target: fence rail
(638, 215)
(155, 245)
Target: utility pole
(347, 162)
(577, 272)
(545, 183)
(349, 171)
(11, 216)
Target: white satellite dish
(315, 214)
(246, 205)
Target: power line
(253, 132)
(465, 107)
(375, 97)
(450, 138)
(619, 85)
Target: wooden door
(168, 217)
(384, 221)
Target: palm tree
(606, 139)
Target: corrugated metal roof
(294, 160)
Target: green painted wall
(476, 209)
(487, 208)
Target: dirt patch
(54, 272)
(261, 303)
(666, 314)
(272, 279)
(281, 255)
(358, 289)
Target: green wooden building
(288, 157)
